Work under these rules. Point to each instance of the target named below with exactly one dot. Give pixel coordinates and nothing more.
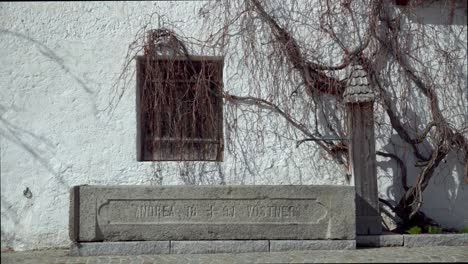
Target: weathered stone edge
(124, 248)
(244, 246)
(421, 240)
(292, 245)
(380, 241)
(203, 246)
(427, 240)
(219, 246)
(74, 213)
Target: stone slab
(154, 213)
(288, 245)
(219, 246)
(428, 240)
(380, 241)
(122, 248)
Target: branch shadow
(49, 53)
(8, 213)
(46, 51)
(29, 142)
(37, 146)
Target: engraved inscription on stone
(140, 213)
(234, 211)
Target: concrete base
(380, 241)
(427, 240)
(291, 245)
(245, 246)
(120, 248)
(421, 240)
(219, 246)
(203, 247)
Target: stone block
(122, 248)
(428, 240)
(219, 246)
(152, 213)
(380, 241)
(288, 245)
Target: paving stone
(288, 245)
(425, 240)
(367, 255)
(225, 246)
(380, 241)
(155, 213)
(119, 248)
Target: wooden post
(359, 99)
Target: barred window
(179, 108)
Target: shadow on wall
(46, 51)
(27, 140)
(445, 196)
(36, 146)
(11, 217)
(439, 13)
(40, 149)
(49, 53)
(9, 214)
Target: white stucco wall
(59, 63)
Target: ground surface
(396, 254)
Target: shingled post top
(358, 89)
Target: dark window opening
(401, 2)
(179, 108)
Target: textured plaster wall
(59, 63)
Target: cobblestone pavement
(396, 254)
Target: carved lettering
(272, 211)
(145, 211)
(229, 211)
(191, 211)
(212, 210)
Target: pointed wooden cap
(358, 89)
